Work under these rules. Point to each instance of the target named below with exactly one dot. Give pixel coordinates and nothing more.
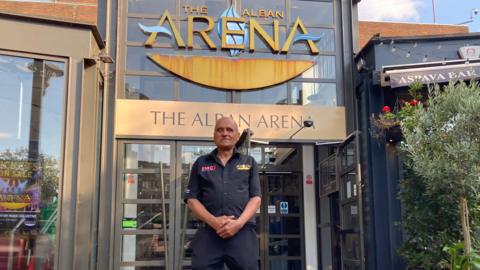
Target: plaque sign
(175, 119)
(431, 75)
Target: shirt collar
(213, 154)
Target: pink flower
(386, 109)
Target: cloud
(389, 10)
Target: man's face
(226, 133)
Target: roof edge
(41, 19)
(404, 39)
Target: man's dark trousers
(240, 252)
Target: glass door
(349, 182)
(152, 228)
(279, 222)
(187, 224)
(145, 206)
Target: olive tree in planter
(442, 147)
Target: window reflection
(194, 92)
(325, 44)
(324, 94)
(31, 94)
(215, 7)
(255, 10)
(323, 69)
(151, 6)
(145, 87)
(137, 59)
(272, 95)
(147, 156)
(313, 12)
(135, 33)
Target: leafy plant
(441, 148)
(459, 259)
(389, 118)
(429, 222)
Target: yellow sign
(237, 34)
(233, 38)
(157, 119)
(238, 74)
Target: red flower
(414, 102)
(386, 109)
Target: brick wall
(388, 29)
(79, 11)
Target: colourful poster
(19, 190)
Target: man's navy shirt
(224, 190)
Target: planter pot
(394, 134)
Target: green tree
(442, 147)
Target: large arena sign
(155, 118)
(237, 34)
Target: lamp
(306, 124)
(105, 58)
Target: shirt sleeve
(193, 188)
(254, 185)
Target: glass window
(284, 225)
(272, 95)
(142, 268)
(325, 44)
(198, 41)
(135, 33)
(145, 248)
(145, 87)
(324, 94)
(42, 1)
(144, 217)
(147, 156)
(32, 96)
(284, 184)
(312, 12)
(261, 44)
(292, 203)
(323, 69)
(284, 247)
(152, 6)
(285, 264)
(214, 7)
(265, 10)
(137, 59)
(256, 153)
(147, 186)
(352, 244)
(194, 92)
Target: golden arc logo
(237, 34)
(236, 74)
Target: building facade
(106, 117)
(386, 66)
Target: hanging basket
(393, 134)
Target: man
(224, 192)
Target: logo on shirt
(209, 168)
(243, 167)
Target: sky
(421, 11)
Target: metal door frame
(178, 246)
(119, 201)
(175, 200)
(263, 225)
(354, 167)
